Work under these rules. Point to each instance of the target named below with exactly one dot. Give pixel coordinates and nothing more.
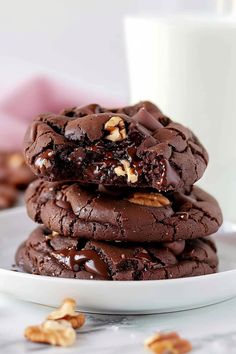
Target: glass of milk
(187, 66)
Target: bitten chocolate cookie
(130, 146)
(14, 171)
(46, 254)
(99, 213)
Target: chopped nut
(149, 199)
(15, 160)
(168, 343)
(116, 128)
(67, 312)
(59, 328)
(52, 332)
(53, 234)
(119, 171)
(126, 170)
(42, 163)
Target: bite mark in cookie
(133, 146)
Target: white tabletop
(210, 329)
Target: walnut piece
(149, 199)
(116, 128)
(52, 235)
(126, 170)
(59, 333)
(168, 343)
(42, 163)
(119, 171)
(67, 312)
(59, 327)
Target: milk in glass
(187, 66)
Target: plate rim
(117, 283)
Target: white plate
(124, 297)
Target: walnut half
(52, 332)
(171, 343)
(67, 312)
(149, 199)
(59, 327)
(116, 128)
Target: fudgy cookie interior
(135, 146)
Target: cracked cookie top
(134, 146)
(102, 213)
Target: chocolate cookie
(14, 171)
(132, 146)
(94, 212)
(46, 254)
(8, 196)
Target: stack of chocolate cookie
(116, 198)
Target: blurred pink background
(32, 90)
(60, 53)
